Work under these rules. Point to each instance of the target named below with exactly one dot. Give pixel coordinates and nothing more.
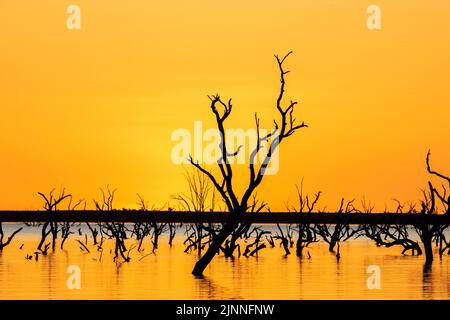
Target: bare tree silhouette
(306, 233)
(341, 231)
(172, 228)
(258, 241)
(285, 128)
(427, 230)
(388, 235)
(444, 195)
(94, 233)
(51, 202)
(141, 229)
(4, 243)
(285, 237)
(66, 226)
(113, 230)
(199, 199)
(242, 232)
(152, 229)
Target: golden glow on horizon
(96, 106)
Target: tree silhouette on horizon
(284, 128)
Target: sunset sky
(97, 106)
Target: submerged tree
(444, 194)
(390, 235)
(257, 244)
(141, 229)
(284, 127)
(306, 233)
(51, 203)
(427, 230)
(285, 237)
(199, 199)
(153, 229)
(112, 230)
(4, 243)
(67, 225)
(342, 231)
(433, 202)
(243, 231)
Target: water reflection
(271, 275)
(427, 283)
(208, 289)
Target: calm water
(166, 274)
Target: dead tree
(306, 233)
(141, 229)
(113, 230)
(442, 242)
(285, 127)
(443, 196)
(285, 238)
(243, 229)
(157, 230)
(425, 229)
(392, 235)
(152, 229)
(388, 235)
(94, 233)
(4, 243)
(66, 225)
(51, 203)
(172, 229)
(199, 199)
(341, 231)
(258, 242)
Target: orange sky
(84, 108)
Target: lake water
(167, 274)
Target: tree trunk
(44, 236)
(334, 237)
(200, 239)
(213, 249)
(332, 245)
(427, 245)
(285, 243)
(299, 246)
